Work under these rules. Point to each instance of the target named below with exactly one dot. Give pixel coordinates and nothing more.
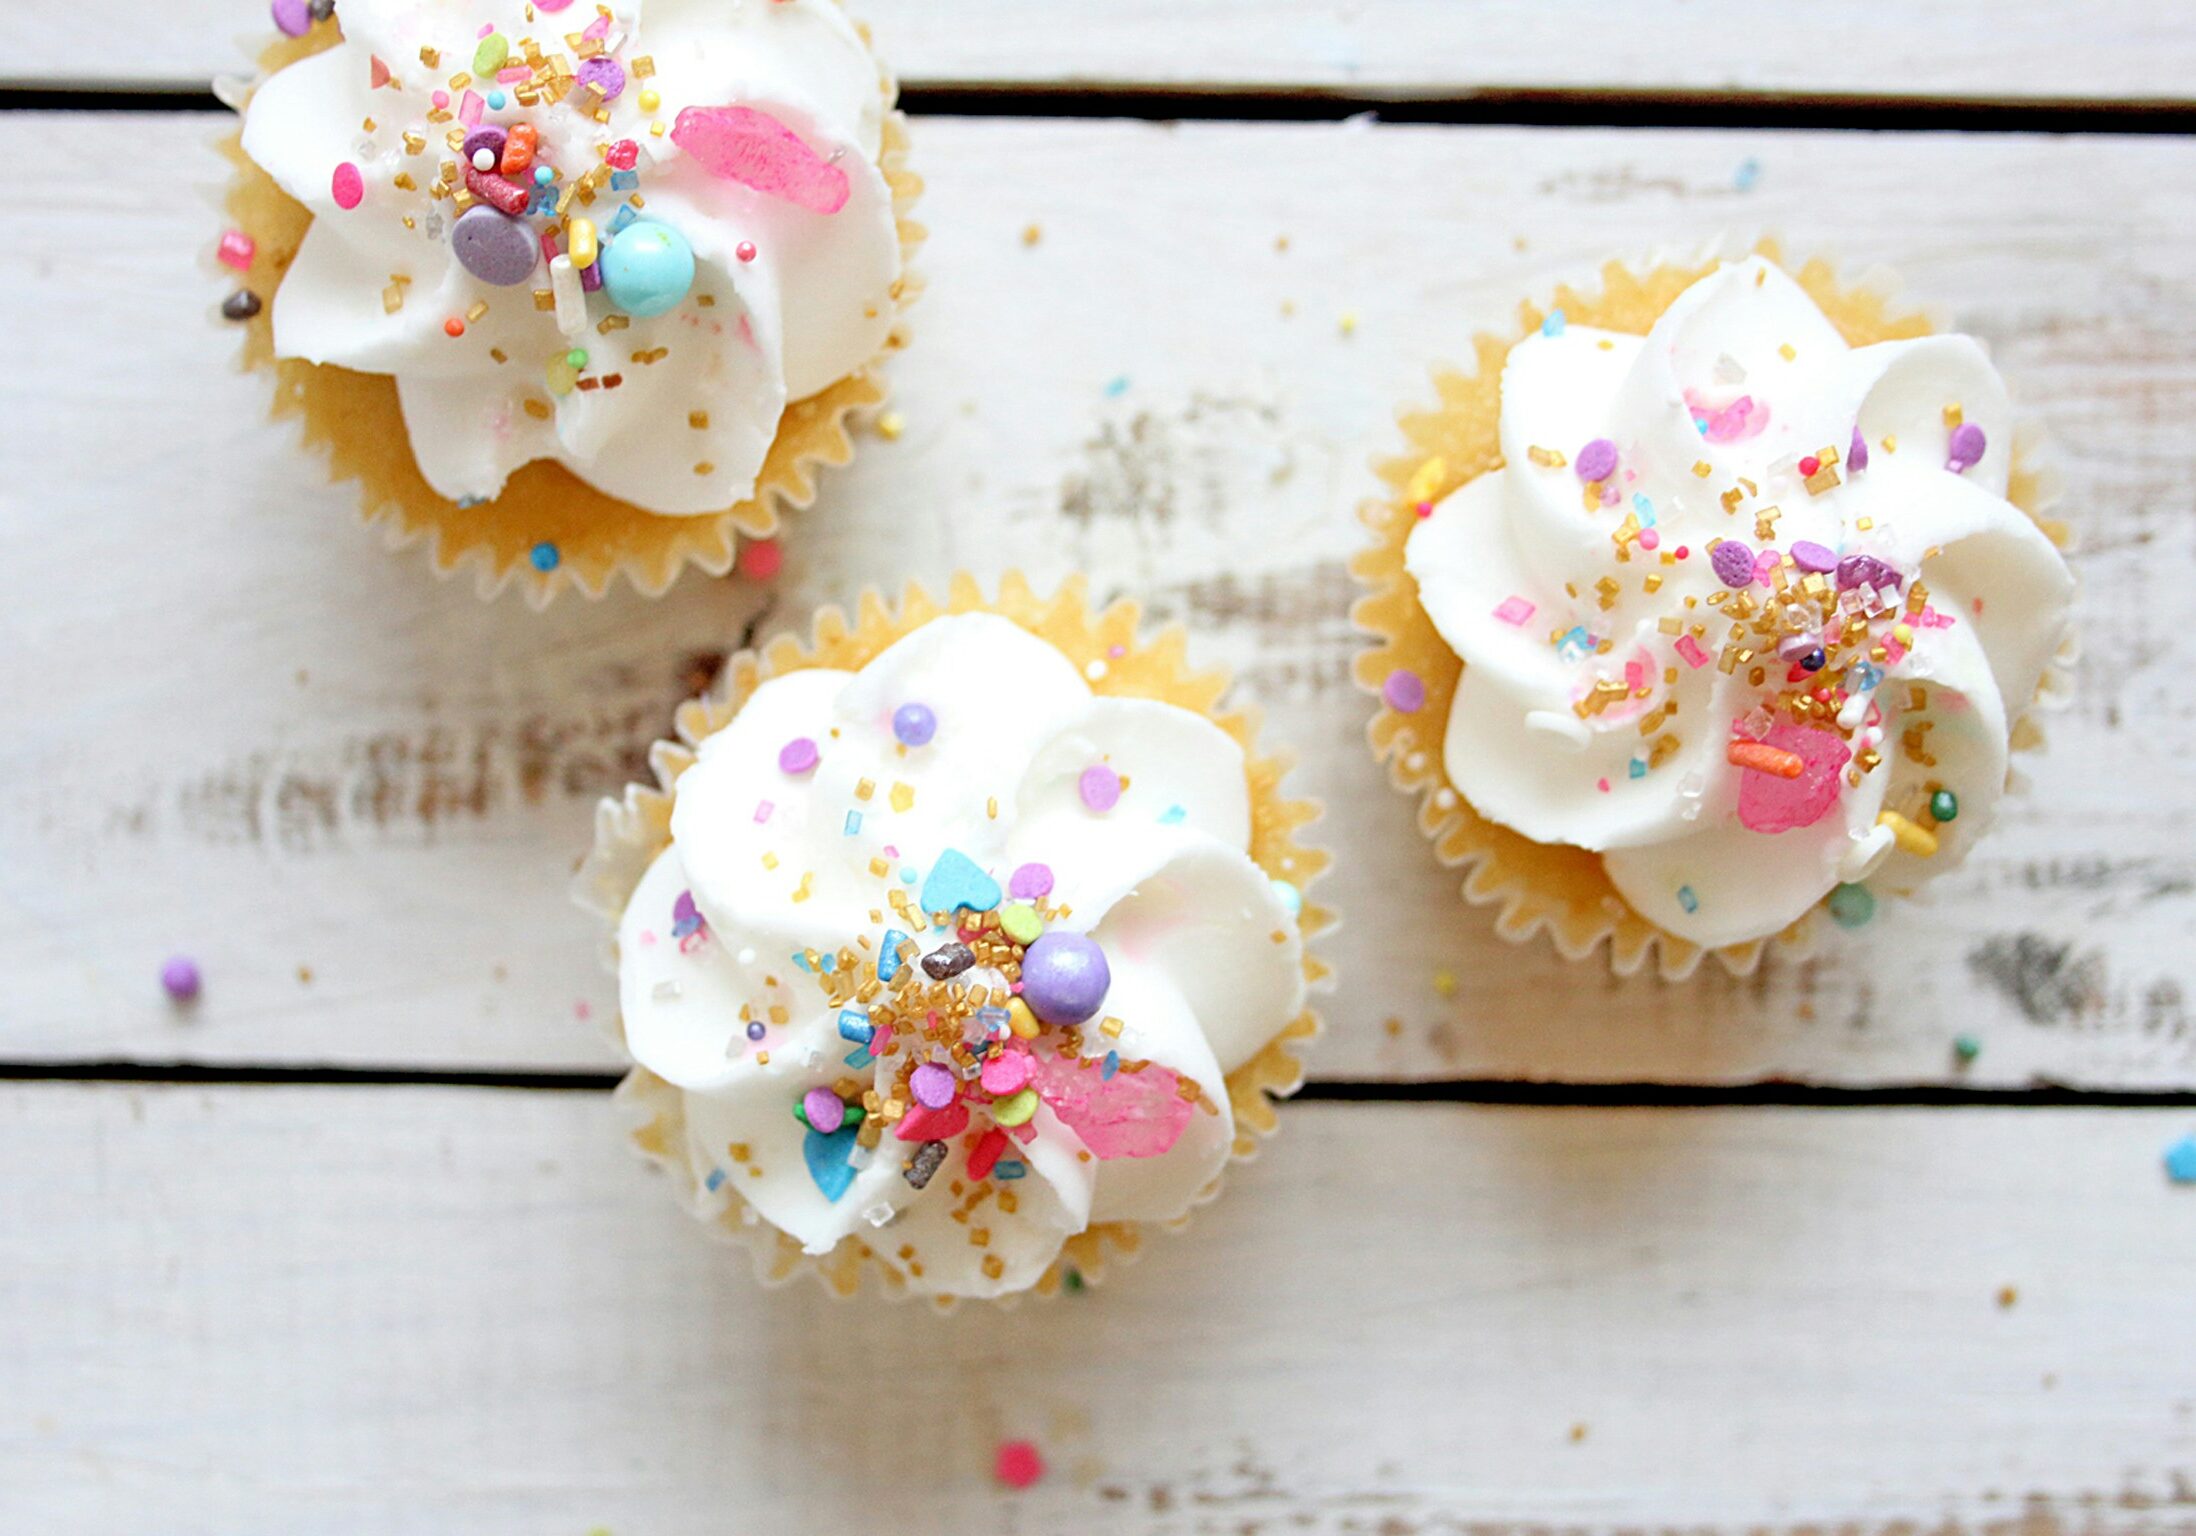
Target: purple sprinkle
(932, 1085)
(487, 136)
(605, 72)
(1733, 563)
(1100, 787)
(798, 755)
(1966, 448)
(1810, 556)
(757, 1030)
(1856, 454)
(179, 978)
(1404, 691)
(1867, 571)
(914, 724)
(826, 1110)
(294, 17)
(1597, 460)
(1030, 882)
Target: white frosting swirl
(796, 874)
(1550, 587)
(374, 286)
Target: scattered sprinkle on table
(1018, 1464)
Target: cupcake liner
(354, 420)
(631, 831)
(1554, 888)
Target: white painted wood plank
(251, 735)
(1992, 49)
(335, 1311)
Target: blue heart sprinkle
(827, 1160)
(957, 881)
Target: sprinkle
(914, 724)
(757, 1029)
(1810, 556)
(545, 556)
(1017, 1464)
(1689, 648)
(1111, 1065)
(237, 250)
(2180, 1161)
(1292, 899)
(853, 824)
(1554, 324)
(955, 882)
(293, 17)
(347, 186)
(1915, 840)
(1010, 1168)
(888, 954)
(1965, 450)
(179, 978)
(890, 425)
(761, 559)
(932, 1085)
(1733, 563)
(1597, 460)
(1687, 899)
(1851, 906)
(924, 1165)
(1030, 882)
(824, 1110)
(1944, 805)
(240, 305)
(1966, 1047)
(854, 1026)
(1513, 610)
(1404, 691)
(798, 755)
(763, 808)
(987, 1152)
(1763, 758)
(745, 250)
(1749, 172)
(1100, 787)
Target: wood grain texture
(2007, 50)
(251, 735)
(334, 1311)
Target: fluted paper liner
(631, 831)
(354, 420)
(1547, 887)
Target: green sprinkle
(577, 357)
(1944, 805)
(1966, 1047)
(1852, 905)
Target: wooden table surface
(352, 1245)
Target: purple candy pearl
(1597, 460)
(914, 724)
(1810, 556)
(605, 72)
(757, 1030)
(179, 978)
(1030, 882)
(1966, 448)
(826, 1110)
(294, 17)
(1404, 691)
(1733, 563)
(1065, 978)
(798, 755)
(932, 1085)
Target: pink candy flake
(1100, 787)
(237, 250)
(513, 74)
(1689, 648)
(1770, 803)
(1513, 610)
(1007, 1073)
(763, 808)
(599, 28)
(470, 108)
(756, 150)
(1765, 565)
(552, 6)
(1743, 418)
(1131, 1114)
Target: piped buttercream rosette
(963, 955)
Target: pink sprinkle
(1100, 787)
(746, 250)
(1117, 651)
(1425, 509)
(1689, 648)
(1018, 1465)
(761, 559)
(1007, 1073)
(486, 27)
(1513, 610)
(826, 1111)
(238, 249)
(441, 99)
(1404, 691)
(512, 74)
(552, 6)
(583, 1009)
(648, 938)
(598, 28)
(347, 186)
(1765, 565)
(470, 108)
(1649, 539)
(763, 808)
(1602, 785)
(1893, 652)
(1635, 675)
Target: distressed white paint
(250, 734)
(1993, 49)
(335, 1311)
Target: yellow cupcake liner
(630, 833)
(354, 420)
(1557, 889)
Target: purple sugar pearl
(1965, 450)
(914, 724)
(1404, 691)
(798, 755)
(1065, 978)
(1597, 460)
(1733, 563)
(1810, 556)
(179, 978)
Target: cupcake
(958, 945)
(571, 290)
(1716, 600)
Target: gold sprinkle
(1787, 352)
(538, 409)
(890, 425)
(705, 467)
(1954, 415)
(903, 797)
(1032, 233)
(698, 420)
(431, 57)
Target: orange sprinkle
(1763, 758)
(453, 327)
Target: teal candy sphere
(648, 268)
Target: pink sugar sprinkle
(1690, 649)
(486, 28)
(441, 99)
(238, 249)
(598, 28)
(470, 109)
(1649, 539)
(512, 74)
(1513, 610)
(1893, 652)
(648, 938)
(763, 808)
(1602, 785)
(1634, 675)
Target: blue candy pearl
(648, 268)
(496, 101)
